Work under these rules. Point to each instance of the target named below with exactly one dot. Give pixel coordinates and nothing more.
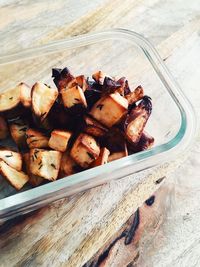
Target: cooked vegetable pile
(78, 124)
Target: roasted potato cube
(110, 109)
(12, 158)
(99, 77)
(68, 166)
(82, 82)
(4, 132)
(16, 178)
(10, 99)
(59, 140)
(18, 132)
(146, 142)
(137, 119)
(102, 159)
(36, 139)
(136, 95)
(93, 127)
(34, 180)
(25, 94)
(117, 155)
(45, 163)
(85, 150)
(73, 96)
(43, 98)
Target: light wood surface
(70, 232)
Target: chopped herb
(35, 154)
(40, 163)
(52, 165)
(47, 85)
(90, 155)
(42, 115)
(8, 156)
(160, 180)
(100, 106)
(40, 167)
(11, 98)
(77, 99)
(32, 158)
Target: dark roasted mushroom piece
(93, 93)
(61, 77)
(146, 142)
(111, 86)
(137, 119)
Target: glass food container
(119, 53)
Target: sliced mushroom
(146, 142)
(137, 119)
(61, 77)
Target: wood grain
(70, 232)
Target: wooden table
(165, 237)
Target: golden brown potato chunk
(18, 130)
(85, 150)
(36, 139)
(73, 96)
(34, 180)
(43, 98)
(25, 94)
(45, 163)
(82, 82)
(12, 158)
(16, 178)
(117, 155)
(102, 159)
(110, 109)
(93, 127)
(99, 77)
(59, 140)
(9, 99)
